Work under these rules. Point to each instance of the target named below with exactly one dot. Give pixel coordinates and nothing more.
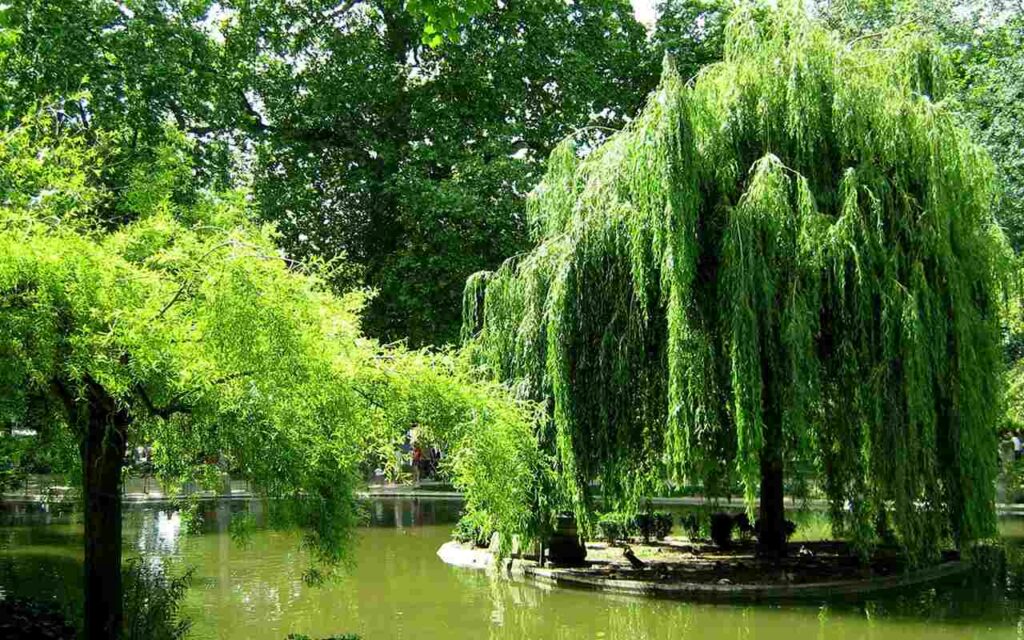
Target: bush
(302, 636)
(721, 530)
(470, 529)
(1015, 480)
(691, 525)
(614, 527)
(788, 528)
(742, 523)
(657, 524)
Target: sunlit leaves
(228, 356)
(794, 255)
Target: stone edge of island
(457, 555)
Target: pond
(398, 588)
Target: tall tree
(692, 32)
(365, 133)
(188, 329)
(984, 42)
(991, 92)
(410, 160)
(789, 264)
(130, 67)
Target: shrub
(615, 526)
(788, 527)
(691, 524)
(743, 526)
(657, 524)
(721, 530)
(1015, 480)
(470, 529)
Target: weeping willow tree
(786, 268)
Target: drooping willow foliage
(791, 253)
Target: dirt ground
(679, 560)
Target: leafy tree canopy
(984, 41)
(419, 175)
(789, 264)
(361, 141)
(187, 329)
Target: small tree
(786, 265)
(187, 330)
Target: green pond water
(398, 588)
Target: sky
(644, 10)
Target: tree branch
(65, 396)
(176, 400)
(163, 412)
(370, 398)
(188, 281)
(255, 116)
(331, 14)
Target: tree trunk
(103, 449)
(771, 534)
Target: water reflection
(398, 588)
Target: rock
(725, 581)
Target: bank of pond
(251, 585)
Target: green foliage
(992, 98)
(653, 524)
(472, 529)
(615, 527)
(153, 601)
(395, 141)
(695, 524)
(444, 17)
(208, 344)
(418, 174)
(792, 256)
(692, 32)
(721, 528)
(1015, 481)
(301, 636)
(490, 445)
(983, 41)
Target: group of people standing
(423, 457)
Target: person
(1018, 446)
(417, 463)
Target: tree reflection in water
(398, 588)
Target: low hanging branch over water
(785, 267)
(186, 330)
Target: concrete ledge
(743, 592)
(455, 554)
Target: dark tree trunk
(771, 534)
(103, 449)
